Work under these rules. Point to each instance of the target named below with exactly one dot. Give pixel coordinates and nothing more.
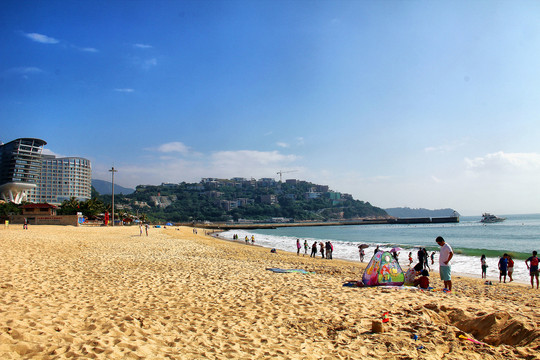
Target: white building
(61, 179)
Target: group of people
(423, 258)
(326, 249)
(246, 239)
(506, 267)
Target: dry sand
(106, 293)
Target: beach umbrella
(169, 224)
(395, 249)
(363, 246)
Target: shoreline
(363, 265)
(109, 293)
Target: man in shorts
(503, 267)
(445, 256)
(533, 268)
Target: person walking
(533, 268)
(446, 254)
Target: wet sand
(107, 293)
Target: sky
(421, 104)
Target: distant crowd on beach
(325, 249)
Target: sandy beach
(108, 293)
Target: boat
(490, 218)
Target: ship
(490, 218)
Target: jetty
(274, 225)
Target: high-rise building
(63, 178)
(20, 165)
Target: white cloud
(47, 151)
(40, 38)
(142, 46)
(175, 146)
(282, 144)
(90, 49)
(147, 64)
(444, 148)
(501, 161)
(300, 140)
(125, 90)
(253, 157)
(23, 70)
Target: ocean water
(518, 236)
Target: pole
(113, 171)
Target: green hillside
(220, 200)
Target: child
(411, 274)
(410, 258)
(510, 268)
(484, 266)
(423, 280)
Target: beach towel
(301, 271)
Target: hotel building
(61, 179)
(20, 165)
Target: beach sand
(107, 293)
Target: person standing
(503, 267)
(421, 257)
(433, 258)
(298, 247)
(362, 253)
(426, 259)
(484, 266)
(446, 254)
(306, 247)
(533, 268)
(510, 267)
(313, 249)
(410, 259)
(321, 246)
(25, 225)
(140, 228)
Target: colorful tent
(383, 269)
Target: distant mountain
(405, 212)
(104, 188)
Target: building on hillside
(269, 199)
(266, 182)
(61, 178)
(20, 166)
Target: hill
(104, 188)
(405, 212)
(243, 200)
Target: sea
(517, 236)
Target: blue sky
(401, 103)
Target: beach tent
(383, 269)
